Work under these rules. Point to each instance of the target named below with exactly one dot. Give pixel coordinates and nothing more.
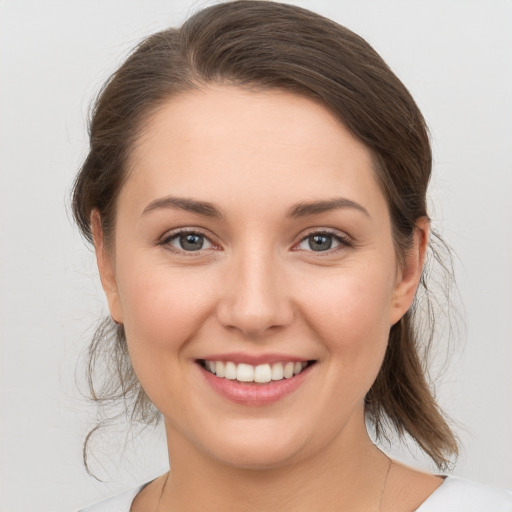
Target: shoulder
(120, 503)
(460, 495)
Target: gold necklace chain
(381, 495)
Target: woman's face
(252, 241)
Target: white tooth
(211, 365)
(219, 368)
(288, 370)
(230, 370)
(297, 368)
(277, 371)
(245, 372)
(262, 373)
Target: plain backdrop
(454, 56)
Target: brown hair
(267, 45)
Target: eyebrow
(182, 203)
(302, 209)
(313, 208)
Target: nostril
(253, 317)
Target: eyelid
(174, 233)
(344, 240)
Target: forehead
(274, 142)
(234, 114)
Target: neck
(348, 474)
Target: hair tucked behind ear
(401, 397)
(266, 45)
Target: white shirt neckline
(455, 494)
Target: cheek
(351, 312)
(356, 336)
(161, 307)
(162, 313)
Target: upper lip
(255, 359)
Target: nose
(254, 296)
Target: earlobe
(104, 260)
(409, 274)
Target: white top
(454, 495)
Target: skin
(257, 287)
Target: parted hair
(265, 45)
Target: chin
(258, 456)
(260, 447)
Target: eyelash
(168, 238)
(343, 240)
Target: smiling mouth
(260, 374)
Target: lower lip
(254, 394)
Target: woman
(256, 194)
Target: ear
(105, 262)
(409, 273)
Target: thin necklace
(383, 488)
(390, 463)
(162, 492)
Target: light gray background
(456, 58)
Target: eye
(188, 241)
(322, 242)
